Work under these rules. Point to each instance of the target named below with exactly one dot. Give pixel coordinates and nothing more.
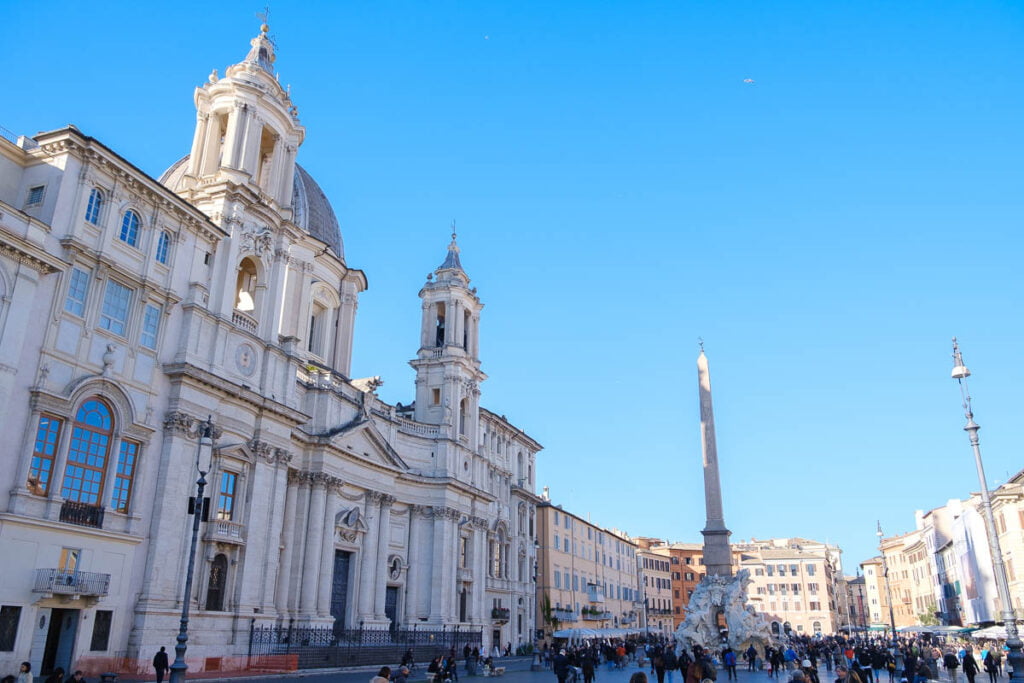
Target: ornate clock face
(396, 567)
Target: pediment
(362, 439)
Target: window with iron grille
(35, 195)
(9, 617)
(101, 630)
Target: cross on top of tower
(451, 261)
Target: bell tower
(247, 132)
(448, 374)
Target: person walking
(160, 664)
(950, 663)
(970, 665)
(25, 673)
(990, 667)
(57, 676)
(844, 675)
(588, 667)
(383, 676)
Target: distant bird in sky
(748, 81)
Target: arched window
(775, 628)
(245, 288)
(130, 228)
(163, 246)
(439, 326)
(88, 453)
(816, 626)
(217, 583)
(92, 211)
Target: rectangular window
(435, 397)
(565, 545)
(794, 569)
(782, 570)
(558, 542)
(117, 300)
(565, 579)
(463, 552)
(101, 630)
(69, 559)
(556, 518)
(9, 617)
(125, 475)
(78, 290)
(150, 326)
(575, 582)
(226, 499)
(810, 570)
(35, 195)
(558, 579)
(41, 470)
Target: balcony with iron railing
(225, 531)
(82, 514)
(67, 582)
(564, 614)
(596, 615)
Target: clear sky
(826, 192)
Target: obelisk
(717, 556)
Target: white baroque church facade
(138, 315)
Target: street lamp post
(888, 590)
(1013, 642)
(178, 668)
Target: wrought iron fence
(319, 647)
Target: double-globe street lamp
(1015, 657)
(178, 668)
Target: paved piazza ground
(517, 672)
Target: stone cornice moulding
(91, 150)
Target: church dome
(311, 211)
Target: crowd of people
(800, 659)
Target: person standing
(990, 667)
(160, 664)
(25, 673)
(729, 662)
(561, 666)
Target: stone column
(281, 601)
(425, 339)
(236, 134)
(299, 534)
(368, 557)
(343, 330)
(323, 606)
(288, 176)
(414, 573)
(249, 160)
(211, 146)
(383, 542)
(314, 545)
(443, 578)
(276, 561)
(198, 143)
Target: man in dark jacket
(561, 666)
(160, 664)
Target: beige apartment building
(793, 583)
(586, 575)
(686, 566)
(656, 580)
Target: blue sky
(620, 191)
